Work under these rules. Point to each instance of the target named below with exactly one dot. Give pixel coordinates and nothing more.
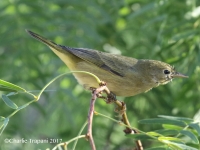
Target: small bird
(124, 76)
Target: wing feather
(115, 64)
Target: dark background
(164, 30)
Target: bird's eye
(166, 72)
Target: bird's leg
(99, 94)
(110, 96)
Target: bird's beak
(179, 75)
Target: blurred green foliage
(165, 30)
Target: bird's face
(164, 73)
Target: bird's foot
(99, 94)
(111, 97)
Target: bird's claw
(111, 97)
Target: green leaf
(172, 127)
(139, 136)
(11, 93)
(6, 89)
(5, 123)
(8, 102)
(167, 132)
(23, 106)
(2, 118)
(174, 147)
(190, 135)
(154, 134)
(2, 121)
(197, 117)
(185, 147)
(163, 121)
(195, 126)
(11, 86)
(1, 125)
(180, 146)
(165, 139)
(185, 34)
(176, 118)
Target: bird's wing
(115, 64)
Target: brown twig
(121, 109)
(95, 93)
(90, 118)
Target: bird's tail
(44, 40)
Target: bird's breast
(129, 85)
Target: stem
(90, 118)
(122, 111)
(91, 114)
(38, 97)
(97, 79)
(13, 113)
(66, 143)
(74, 146)
(125, 120)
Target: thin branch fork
(96, 93)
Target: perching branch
(90, 118)
(121, 110)
(95, 94)
(128, 130)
